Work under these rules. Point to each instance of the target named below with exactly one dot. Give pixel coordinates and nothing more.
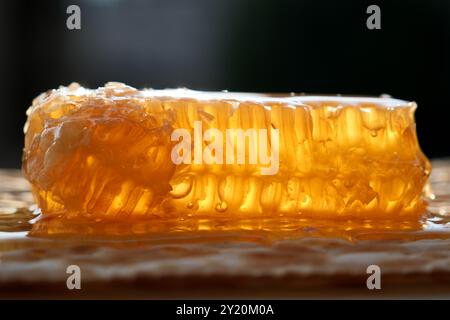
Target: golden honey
(108, 155)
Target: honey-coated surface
(105, 154)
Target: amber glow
(105, 154)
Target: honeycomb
(108, 155)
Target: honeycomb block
(117, 153)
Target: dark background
(242, 45)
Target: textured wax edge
(116, 90)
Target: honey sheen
(121, 154)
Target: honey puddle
(21, 226)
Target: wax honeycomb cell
(120, 154)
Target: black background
(242, 45)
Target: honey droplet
(221, 206)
